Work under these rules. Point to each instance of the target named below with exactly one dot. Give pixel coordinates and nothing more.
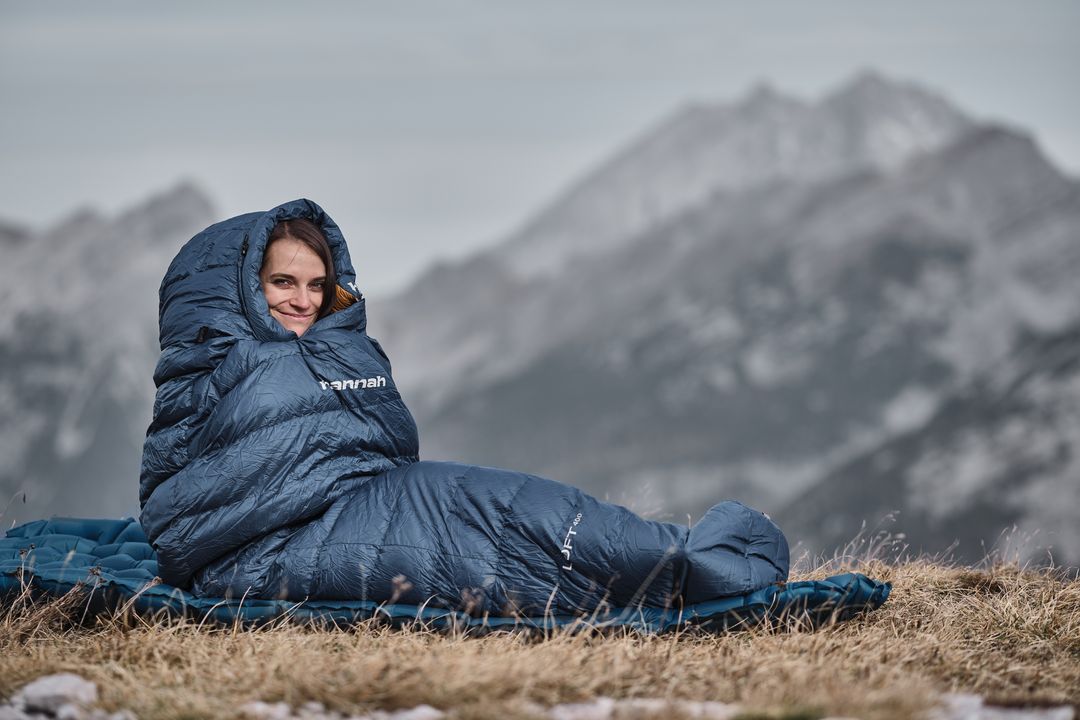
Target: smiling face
(293, 280)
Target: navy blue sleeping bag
(285, 467)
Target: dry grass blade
(29, 614)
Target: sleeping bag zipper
(240, 278)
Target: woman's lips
(298, 317)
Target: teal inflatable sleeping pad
(116, 567)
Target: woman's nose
(302, 298)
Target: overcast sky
(427, 129)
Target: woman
(283, 463)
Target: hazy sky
(427, 129)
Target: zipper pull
(243, 248)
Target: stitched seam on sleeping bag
(497, 591)
(751, 549)
(500, 548)
(435, 551)
(276, 565)
(316, 578)
(746, 551)
(455, 511)
(389, 523)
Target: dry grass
(1009, 633)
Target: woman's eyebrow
(293, 277)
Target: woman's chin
(289, 323)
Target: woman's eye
(281, 282)
(318, 285)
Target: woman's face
(293, 280)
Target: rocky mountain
(78, 345)
(703, 155)
(777, 319)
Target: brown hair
(307, 232)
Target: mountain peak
(871, 92)
(869, 80)
(184, 195)
(891, 120)
(762, 91)
(763, 97)
(171, 211)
